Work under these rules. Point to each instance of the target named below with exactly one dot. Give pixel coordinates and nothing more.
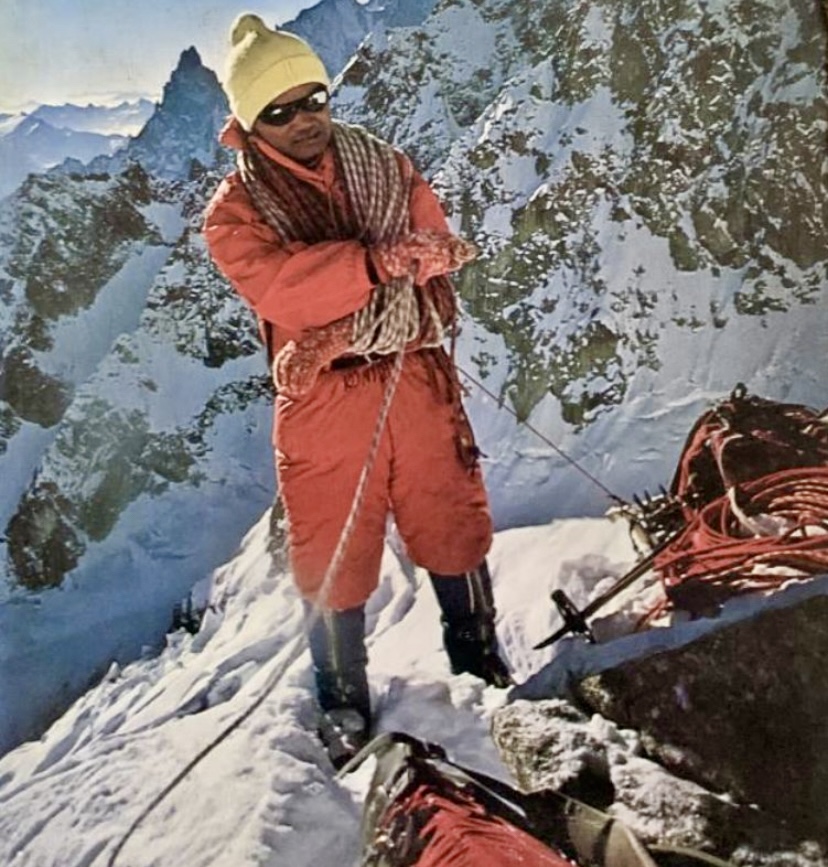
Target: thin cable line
(597, 482)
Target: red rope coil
(759, 535)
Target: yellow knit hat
(264, 63)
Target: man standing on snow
(342, 250)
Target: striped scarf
(378, 188)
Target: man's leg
(442, 513)
(440, 504)
(337, 646)
(323, 442)
(468, 618)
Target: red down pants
(322, 442)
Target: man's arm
(426, 210)
(295, 286)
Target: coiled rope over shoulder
(378, 181)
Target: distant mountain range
(37, 141)
(124, 119)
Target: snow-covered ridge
(650, 217)
(127, 738)
(265, 793)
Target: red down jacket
(322, 439)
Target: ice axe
(575, 619)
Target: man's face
(305, 137)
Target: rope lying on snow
(756, 537)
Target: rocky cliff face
(739, 711)
(553, 744)
(105, 274)
(714, 743)
(116, 438)
(51, 272)
(700, 128)
(646, 182)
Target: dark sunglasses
(282, 115)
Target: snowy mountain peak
(184, 128)
(189, 82)
(190, 59)
(335, 28)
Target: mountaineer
(342, 250)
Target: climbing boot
(468, 618)
(337, 646)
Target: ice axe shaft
(575, 620)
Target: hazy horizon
(104, 51)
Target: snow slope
(237, 700)
(266, 795)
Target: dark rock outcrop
(741, 711)
(552, 744)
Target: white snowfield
(264, 793)
(267, 794)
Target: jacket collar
(321, 175)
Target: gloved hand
(424, 254)
(298, 364)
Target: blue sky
(55, 51)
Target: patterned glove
(297, 365)
(424, 254)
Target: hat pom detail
(244, 24)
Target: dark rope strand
(597, 482)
